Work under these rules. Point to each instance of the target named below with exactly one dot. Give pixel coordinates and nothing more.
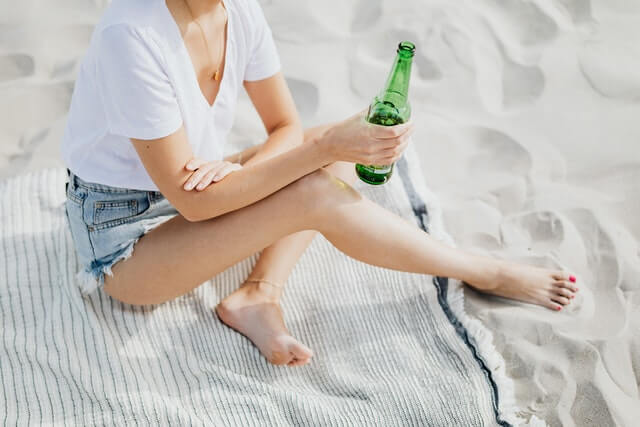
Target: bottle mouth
(407, 47)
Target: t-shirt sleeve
(263, 60)
(137, 96)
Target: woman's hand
(207, 172)
(358, 141)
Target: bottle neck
(397, 85)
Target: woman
(152, 105)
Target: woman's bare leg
(178, 255)
(278, 259)
(259, 302)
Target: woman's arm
(273, 102)
(285, 160)
(164, 159)
(352, 140)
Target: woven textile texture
(390, 348)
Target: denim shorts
(106, 222)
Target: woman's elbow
(196, 206)
(186, 206)
(190, 212)
(189, 216)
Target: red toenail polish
(558, 308)
(572, 279)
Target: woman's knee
(323, 189)
(346, 171)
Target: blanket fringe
(482, 337)
(483, 341)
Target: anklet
(268, 282)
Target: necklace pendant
(216, 75)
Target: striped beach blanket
(390, 348)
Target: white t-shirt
(137, 81)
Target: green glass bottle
(390, 107)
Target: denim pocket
(77, 194)
(105, 210)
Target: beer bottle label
(378, 170)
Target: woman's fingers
(198, 174)
(389, 132)
(389, 150)
(208, 178)
(194, 163)
(395, 153)
(226, 170)
(391, 143)
(216, 173)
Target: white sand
(528, 119)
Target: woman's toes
(553, 305)
(279, 358)
(566, 285)
(563, 290)
(564, 275)
(560, 275)
(286, 349)
(298, 362)
(294, 362)
(300, 351)
(560, 299)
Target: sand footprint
(518, 24)
(505, 166)
(540, 231)
(502, 82)
(508, 37)
(578, 10)
(505, 85)
(605, 266)
(497, 151)
(621, 6)
(610, 67)
(521, 84)
(15, 66)
(307, 22)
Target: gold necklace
(216, 75)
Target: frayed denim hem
(92, 279)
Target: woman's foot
(254, 311)
(550, 288)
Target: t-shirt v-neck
(137, 80)
(228, 41)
